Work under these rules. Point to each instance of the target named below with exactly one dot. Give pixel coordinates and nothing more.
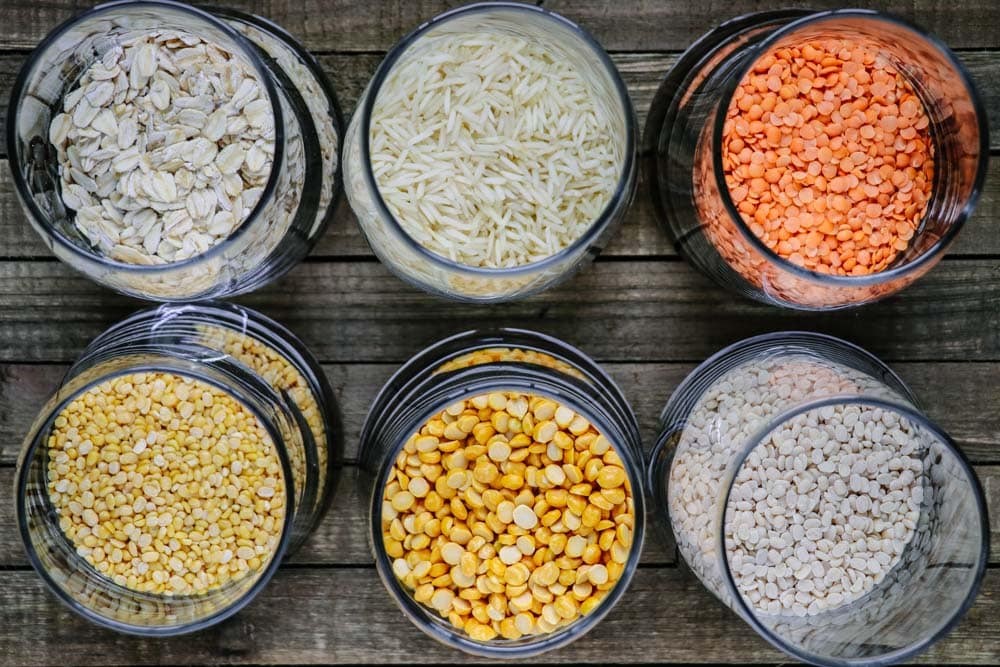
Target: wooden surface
(639, 309)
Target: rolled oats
(164, 147)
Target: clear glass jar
(472, 364)
(439, 275)
(748, 410)
(297, 201)
(682, 155)
(245, 355)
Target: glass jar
(473, 364)
(297, 200)
(682, 155)
(834, 553)
(247, 357)
(435, 273)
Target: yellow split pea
(508, 514)
(166, 484)
(278, 372)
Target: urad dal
(828, 156)
(491, 150)
(820, 510)
(509, 515)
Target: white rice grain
(492, 151)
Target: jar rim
(440, 352)
(43, 222)
(36, 439)
(601, 223)
(897, 655)
(423, 617)
(787, 337)
(929, 255)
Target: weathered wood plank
(639, 234)
(642, 73)
(634, 25)
(341, 538)
(953, 394)
(629, 310)
(308, 616)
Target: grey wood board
(343, 615)
(635, 25)
(955, 394)
(616, 311)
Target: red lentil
(828, 156)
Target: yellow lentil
(277, 371)
(533, 510)
(160, 502)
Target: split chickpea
(166, 484)
(492, 355)
(508, 514)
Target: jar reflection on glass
(751, 412)
(245, 358)
(297, 199)
(471, 365)
(437, 274)
(683, 147)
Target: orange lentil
(829, 157)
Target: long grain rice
(494, 151)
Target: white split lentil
(820, 511)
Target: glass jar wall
(433, 272)
(592, 558)
(807, 491)
(684, 145)
(187, 451)
(84, 221)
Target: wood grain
(639, 234)
(615, 311)
(633, 25)
(952, 394)
(310, 616)
(341, 538)
(647, 315)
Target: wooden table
(640, 309)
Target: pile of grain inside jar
(279, 372)
(491, 355)
(164, 147)
(492, 150)
(828, 156)
(166, 484)
(821, 511)
(509, 515)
